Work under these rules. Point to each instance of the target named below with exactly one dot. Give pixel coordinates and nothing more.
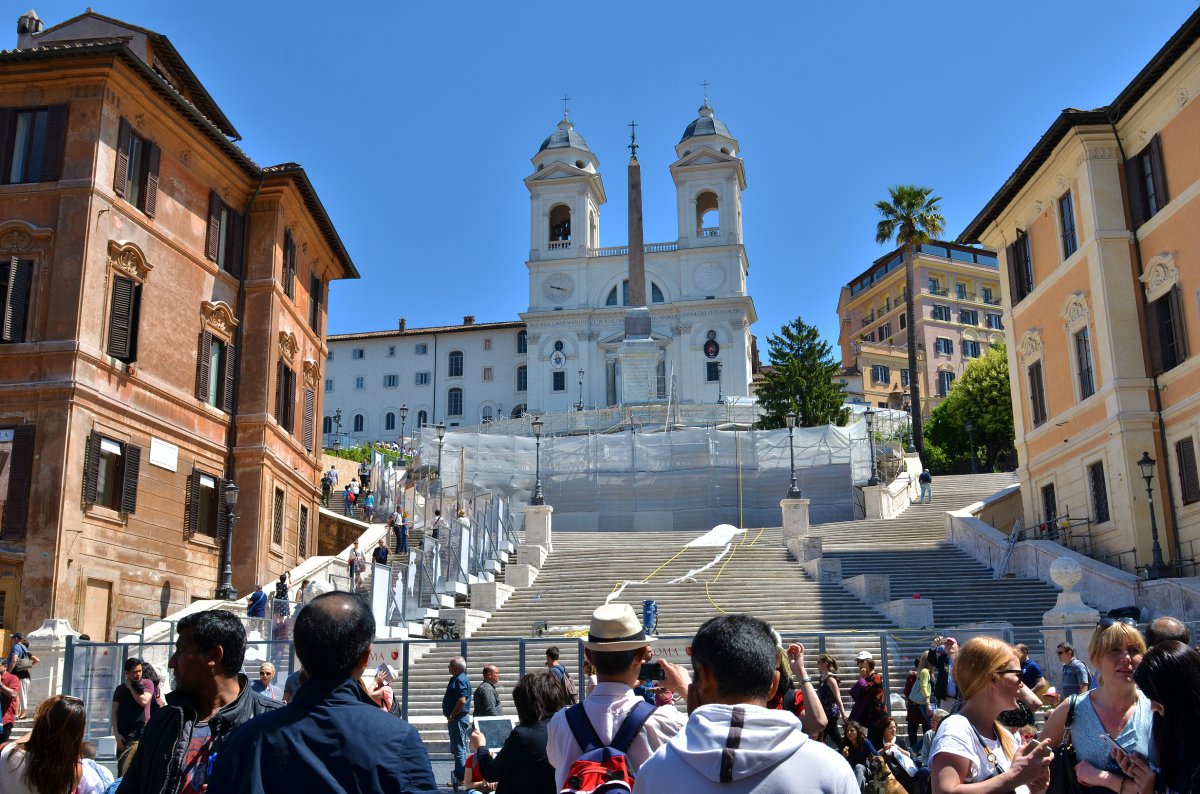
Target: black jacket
(330, 738)
(522, 766)
(158, 762)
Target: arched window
(486, 413)
(327, 425)
(359, 422)
(522, 378)
(518, 411)
(454, 367)
(708, 215)
(389, 421)
(560, 224)
(656, 294)
(454, 402)
(422, 418)
(522, 342)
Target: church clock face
(558, 287)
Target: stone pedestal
(537, 526)
(531, 554)
(872, 588)
(490, 596)
(909, 613)
(517, 575)
(48, 643)
(873, 501)
(795, 518)
(805, 549)
(826, 570)
(467, 620)
(1069, 610)
(639, 359)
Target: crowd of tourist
(756, 720)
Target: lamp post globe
(793, 490)
(1157, 569)
(225, 591)
(869, 418)
(538, 498)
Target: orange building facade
(1102, 268)
(163, 332)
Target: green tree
(801, 379)
(981, 396)
(911, 217)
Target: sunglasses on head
(1108, 622)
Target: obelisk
(639, 353)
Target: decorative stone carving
(1031, 345)
(1076, 311)
(140, 119)
(218, 318)
(186, 156)
(1096, 153)
(1063, 183)
(128, 259)
(1181, 97)
(1160, 276)
(20, 237)
(288, 346)
(1039, 206)
(312, 374)
(1143, 137)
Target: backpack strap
(630, 726)
(582, 730)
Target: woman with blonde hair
(972, 752)
(1115, 709)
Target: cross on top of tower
(633, 144)
(705, 85)
(565, 100)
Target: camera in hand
(650, 671)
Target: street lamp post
(1157, 569)
(225, 591)
(580, 406)
(720, 397)
(793, 490)
(441, 437)
(971, 441)
(538, 498)
(403, 416)
(909, 448)
(869, 416)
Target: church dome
(706, 124)
(565, 137)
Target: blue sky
(416, 122)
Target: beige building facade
(1102, 270)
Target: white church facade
(564, 350)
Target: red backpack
(603, 769)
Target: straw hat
(615, 627)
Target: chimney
(403, 323)
(28, 26)
(469, 319)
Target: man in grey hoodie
(732, 743)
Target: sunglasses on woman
(1109, 622)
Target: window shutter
(302, 535)
(1037, 393)
(1177, 327)
(1159, 172)
(1154, 337)
(20, 482)
(52, 154)
(235, 244)
(230, 376)
(151, 196)
(310, 406)
(120, 319)
(277, 519)
(16, 301)
(289, 264)
(6, 144)
(203, 366)
(133, 465)
(289, 397)
(1189, 481)
(1135, 191)
(1010, 257)
(212, 238)
(280, 369)
(222, 511)
(192, 516)
(121, 175)
(91, 468)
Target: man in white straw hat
(617, 645)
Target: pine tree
(801, 379)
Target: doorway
(97, 603)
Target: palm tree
(912, 217)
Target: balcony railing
(623, 250)
(944, 292)
(558, 245)
(709, 231)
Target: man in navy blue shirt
(458, 723)
(256, 603)
(331, 737)
(1031, 671)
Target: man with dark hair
(1167, 628)
(732, 743)
(129, 703)
(616, 645)
(1075, 676)
(210, 699)
(331, 736)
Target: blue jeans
(926, 492)
(460, 731)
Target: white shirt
(958, 737)
(95, 778)
(606, 708)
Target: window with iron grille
(277, 519)
(1083, 359)
(1099, 492)
(1066, 216)
(1049, 503)
(302, 533)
